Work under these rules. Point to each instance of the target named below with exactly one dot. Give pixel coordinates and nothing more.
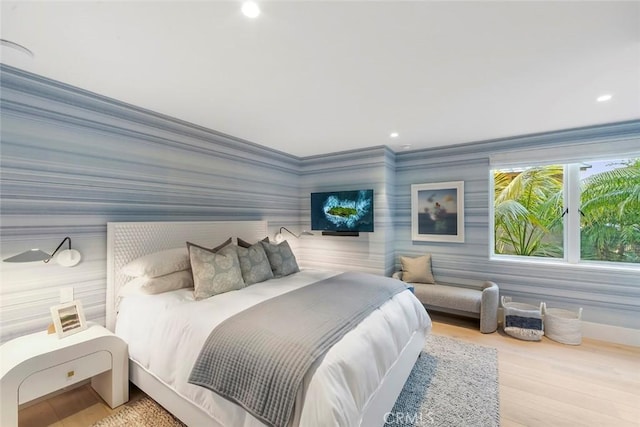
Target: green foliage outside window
(610, 225)
(528, 211)
(529, 206)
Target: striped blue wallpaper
(609, 296)
(352, 170)
(71, 161)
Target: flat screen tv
(347, 211)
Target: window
(587, 211)
(610, 211)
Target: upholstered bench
(479, 302)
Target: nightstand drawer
(56, 377)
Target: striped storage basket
(563, 325)
(522, 321)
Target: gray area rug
(452, 384)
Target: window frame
(571, 221)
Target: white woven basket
(563, 325)
(526, 320)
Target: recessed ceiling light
(394, 134)
(250, 9)
(604, 98)
(406, 147)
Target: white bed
(356, 382)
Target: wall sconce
(279, 237)
(66, 257)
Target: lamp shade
(68, 258)
(29, 256)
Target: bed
(355, 383)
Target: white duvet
(165, 333)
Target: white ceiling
(310, 77)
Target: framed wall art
(437, 212)
(68, 318)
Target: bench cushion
(453, 297)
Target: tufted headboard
(127, 241)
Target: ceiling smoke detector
(15, 46)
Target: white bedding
(165, 333)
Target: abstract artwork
(437, 212)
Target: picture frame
(68, 318)
(437, 212)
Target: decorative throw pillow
(417, 270)
(226, 243)
(214, 272)
(281, 258)
(245, 244)
(254, 264)
(158, 263)
(157, 285)
(216, 249)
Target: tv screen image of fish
(342, 211)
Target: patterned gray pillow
(281, 258)
(222, 245)
(245, 244)
(254, 264)
(214, 272)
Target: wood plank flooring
(541, 384)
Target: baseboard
(610, 333)
(602, 332)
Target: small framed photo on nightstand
(68, 318)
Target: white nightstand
(38, 364)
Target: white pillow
(158, 263)
(156, 285)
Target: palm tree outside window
(576, 212)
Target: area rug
(452, 384)
(144, 412)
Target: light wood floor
(541, 384)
